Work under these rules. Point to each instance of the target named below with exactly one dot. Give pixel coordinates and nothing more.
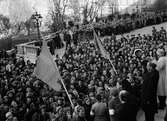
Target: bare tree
(91, 9)
(4, 24)
(19, 12)
(57, 13)
(113, 4)
(76, 7)
(28, 26)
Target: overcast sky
(42, 5)
(34, 5)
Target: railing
(28, 51)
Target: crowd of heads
(85, 73)
(124, 23)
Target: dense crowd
(120, 24)
(89, 78)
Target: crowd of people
(119, 24)
(96, 91)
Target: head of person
(160, 53)
(9, 115)
(151, 66)
(81, 112)
(60, 101)
(74, 101)
(43, 109)
(5, 99)
(114, 92)
(79, 102)
(123, 96)
(98, 97)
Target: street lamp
(37, 17)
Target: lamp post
(37, 17)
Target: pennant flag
(46, 68)
(100, 47)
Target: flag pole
(67, 93)
(108, 54)
(64, 87)
(113, 66)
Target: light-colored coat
(162, 83)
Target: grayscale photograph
(83, 60)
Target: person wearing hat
(162, 83)
(149, 91)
